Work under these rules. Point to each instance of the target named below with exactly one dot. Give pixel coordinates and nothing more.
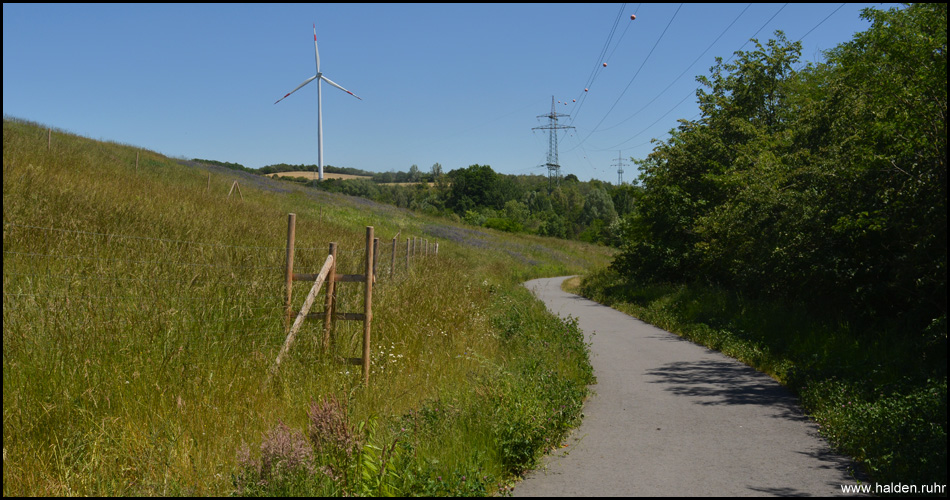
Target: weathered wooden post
(375, 256)
(289, 274)
(392, 262)
(368, 303)
(329, 302)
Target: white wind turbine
(318, 77)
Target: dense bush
(825, 185)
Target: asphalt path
(672, 418)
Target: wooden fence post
(392, 262)
(329, 303)
(375, 256)
(407, 252)
(289, 275)
(368, 303)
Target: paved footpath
(672, 418)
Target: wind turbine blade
(312, 78)
(315, 49)
(331, 82)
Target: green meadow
(143, 309)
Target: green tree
(826, 185)
(472, 187)
(623, 197)
(888, 97)
(598, 206)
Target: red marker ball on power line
(633, 17)
(605, 65)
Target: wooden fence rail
(328, 275)
(318, 282)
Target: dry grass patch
(572, 285)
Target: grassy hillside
(142, 310)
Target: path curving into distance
(672, 418)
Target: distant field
(326, 175)
(430, 184)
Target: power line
(621, 36)
(582, 96)
(600, 56)
(692, 92)
(648, 126)
(683, 73)
(820, 23)
(673, 108)
(758, 30)
(635, 74)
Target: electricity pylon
(619, 166)
(554, 169)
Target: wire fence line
(63, 281)
(275, 259)
(102, 277)
(163, 240)
(103, 250)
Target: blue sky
(457, 84)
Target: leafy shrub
(504, 224)
(900, 436)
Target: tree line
(477, 195)
(534, 204)
(825, 184)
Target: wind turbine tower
(554, 169)
(319, 78)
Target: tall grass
(142, 309)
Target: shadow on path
(726, 383)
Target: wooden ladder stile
(308, 303)
(328, 274)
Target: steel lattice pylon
(619, 166)
(554, 168)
